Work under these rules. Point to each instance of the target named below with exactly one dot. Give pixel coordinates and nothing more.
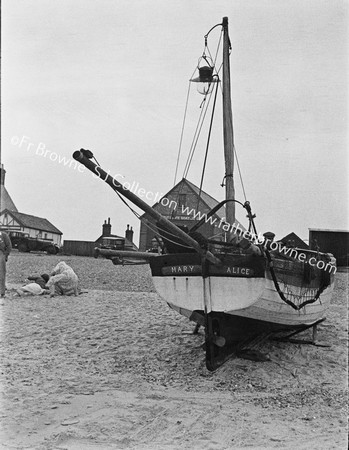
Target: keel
(218, 351)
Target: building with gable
(183, 205)
(113, 241)
(5, 199)
(292, 240)
(33, 226)
(13, 220)
(107, 240)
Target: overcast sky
(112, 76)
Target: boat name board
(195, 269)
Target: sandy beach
(116, 368)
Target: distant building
(13, 220)
(106, 240)
(5, 199)
(175, 206)
(113, 241)
(331, 241)
(33, 226)
(292, 240)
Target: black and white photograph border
(103, 362)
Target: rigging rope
(238, 166)
(217, 49)
(202, 114)
(213, 110)
(207, 146)
(182, 133)
(265, 252)
(236, 157)
(196, 135)
(154, 229)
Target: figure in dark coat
(5, 250)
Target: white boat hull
(250, 298)
(254, 298)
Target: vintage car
(24, 243)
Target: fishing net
(300, 283)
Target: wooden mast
(228, 132)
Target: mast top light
(205, 80)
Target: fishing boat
(240, 288)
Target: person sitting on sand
(63, 281)
(41, 280)
(37, 287)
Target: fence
(79, 248)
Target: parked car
(24, 243)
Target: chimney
(129, 233)
(106, 228)
(2, 175)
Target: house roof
(294, 240)
(110, 236)
(128, 243)
(6, 201)
(29, 221)
(206, 198)
(328, 231)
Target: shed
(331, 241)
